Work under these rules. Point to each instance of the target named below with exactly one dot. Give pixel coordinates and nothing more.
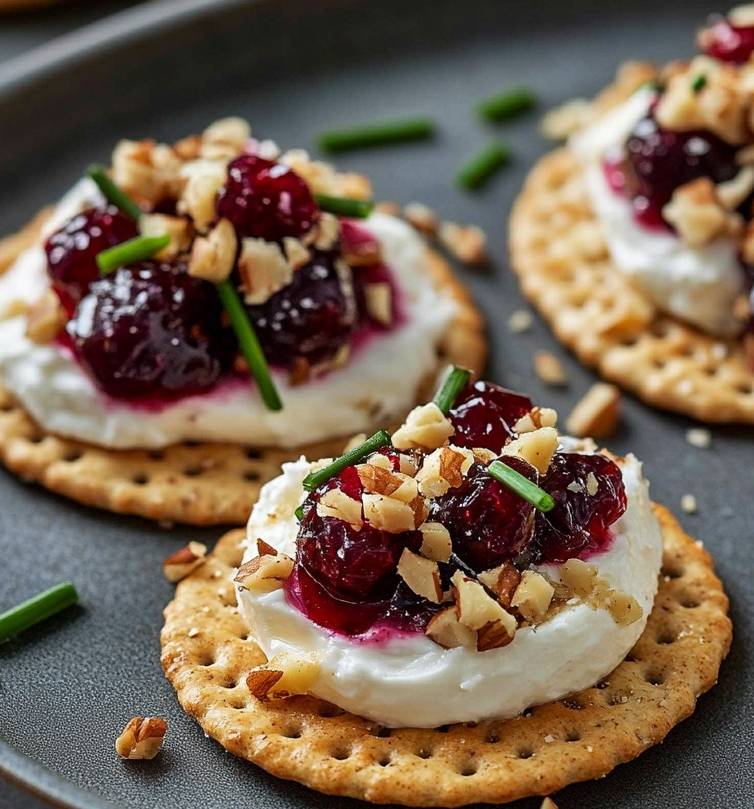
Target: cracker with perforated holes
(206, 655)
(196, 483)
(560, 255)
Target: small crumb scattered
(421, 217)
(597, 413)
(688, 504)
(141, 738)
(388, 207)
(549, 368)
(548, 803)
(466, 242)
(589, 748)
(699, 437)
(520, 321)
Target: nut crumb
(597, 413)
(549, 369)
(141, 738)
(521, 320)
(699, 437)
(421, 217)
(466, 242)
(688, 504)
(548, 803)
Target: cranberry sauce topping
(728, 42)
(484, 415)
(488, 523)
(312, 317)
(150, 329)
(72, 250)
(659, 160)
(265, 199)
(589, 495)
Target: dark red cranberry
(266, 199)
(484, 415)
(580, 521)
(312, 317)
(727, 42)
(659, 160)
(488, 522)
(352, 565)
(72, 250)
(152, 330)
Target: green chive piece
(522, 486)
(342, 206)
(373, 443)
(507, 105)
(249, 344)
(131, 251)
(299, 512)
(112, 193)
(454, 382)
(698, 84)
(480, 168)
(37, 608)
(378, 133)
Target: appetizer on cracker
(636, 240)
(214, 290)
(446, 579)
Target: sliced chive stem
(479, 168)
(522, 486)
(249, 345)
(299, 512)
(112, 193)
(373, 443)
(455, 381)
(343, 206)
(508, 104)
(37, 608)
(131, 251)
(377, 133)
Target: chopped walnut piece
(377, 479)
(533, 596)
(476, 608)
(445, 629)
(299, 373)
(597, 413)
(322, 178)
(232, 132)
(283, 675)
(389, 514)
(623, 607)
(742, 16)
(436, 542)
(388, 207)
(466, 242)
(579, 577)
(733, 192)
(378, 459)
(263, 270)
(537, 417)
(443, 469)
(520, 321)
(549, 368)
(561, 122)
(45, 318)
(592, 484)
(336, 503)
(536, 447)
(184, 561)
(408, 465)
(421, 575)
(213, 256)
(326, 231)
(493, 635)
(426, 428)
(141, 738)
(502, 581)
(697, 215)
(421, 217)
(378, 298)
(548, 803)
(188, 148)
(177, 227)
(264, 548)
(264, 573)
(147, 171)
(296, 253)
(203, 179)
(408, 491)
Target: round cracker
(196, 483)
(206, 655)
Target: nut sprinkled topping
(549, 369)
(624, 608)
(697, 214)
(284, 675)
(536, 448)
(579, 577)
(476, 608)
(264, 573)
(377, 479)
(466, 242)
(443, 469)
(296, 252)
(446, 630)
(537, 417)
(203, 179)
(177, 227)
(378, 298)
(426, 427)
(388, 513)
(45, 318)
(436, 541)
(263, 269)
(502, 581)
(597, 413)
(141, 738)
(213, 256)
(336, 503)
(533, 596)
(184, 561)
(421, 575)
(421, 217)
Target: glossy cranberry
(660, 160)
(484, 415)
(580, 521)
(728, 42)
(488, 522)
(266, 199)
(72, 250)
(312, 317)
(152, 330)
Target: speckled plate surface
(294, 67)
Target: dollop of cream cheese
(409, 680)
(698, 285)
(377, 385)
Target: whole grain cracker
(584, 736)
(196, 483)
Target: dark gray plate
(294, 68)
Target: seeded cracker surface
(206, 655)
(560, 256)
(200, 484)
